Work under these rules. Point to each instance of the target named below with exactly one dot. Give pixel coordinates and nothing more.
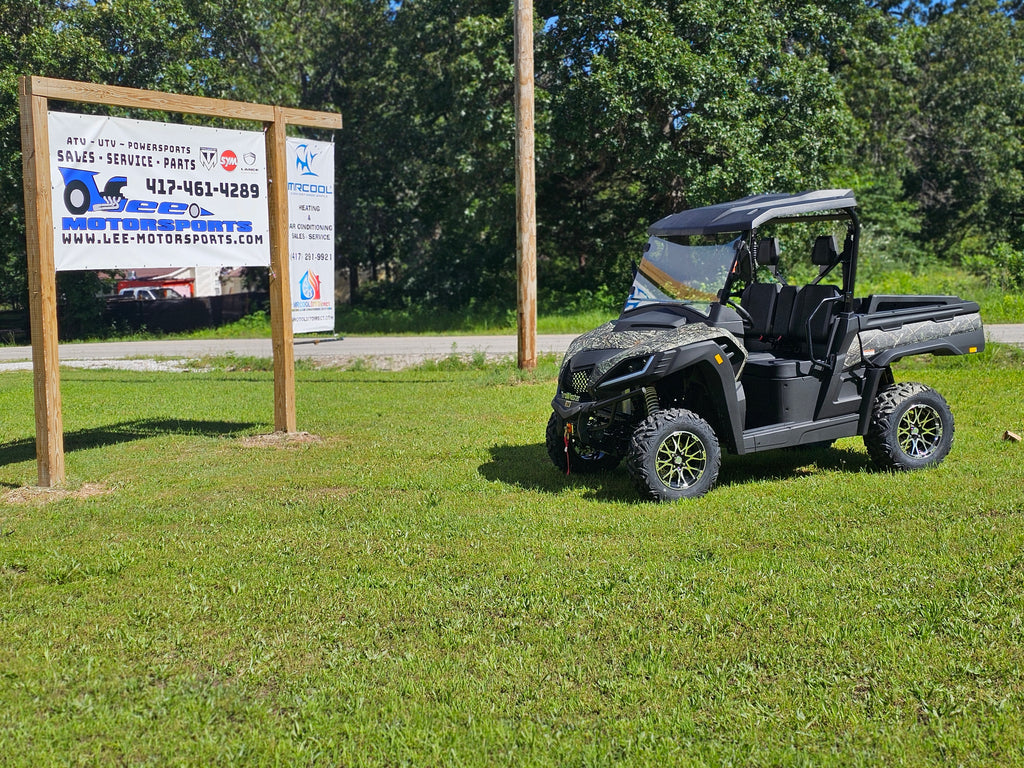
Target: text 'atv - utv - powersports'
(716, 350)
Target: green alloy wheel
(674, 454)
(911, 428)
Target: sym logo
(228, 160)
(304, 158)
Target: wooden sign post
(280, 277)
(42, 286)
(526, 200)
(34, 94)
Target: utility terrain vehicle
(716, 349)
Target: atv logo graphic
(81, 194)
(309, 286)
(304, 157)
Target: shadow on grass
(787, 464)
(528, 466)
(127, 431)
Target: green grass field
(414, 584)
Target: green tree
(425, 178)
(153, 44)
(643, 108)
(965, 134)
(878, 72)
(28, 44)
(657, 106)
(936, 91)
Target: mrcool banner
(311, 234)
(130, 193)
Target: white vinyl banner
(311, 234)
(133, 193)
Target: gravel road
(379, 352)
(383, 352)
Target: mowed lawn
(415, 584)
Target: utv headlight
(628, 371)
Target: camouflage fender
(872, 344)
(637, 343)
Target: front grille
(577, 381)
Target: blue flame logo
(304, 158)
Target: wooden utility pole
(526, 199)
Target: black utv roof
(749, 212)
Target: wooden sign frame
(34, 96)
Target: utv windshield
(680, 274)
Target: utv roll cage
(749, 213)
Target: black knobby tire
(674, 454)
(911, 428)
(582, 459)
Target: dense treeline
(644, 107)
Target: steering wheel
(747, 320)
